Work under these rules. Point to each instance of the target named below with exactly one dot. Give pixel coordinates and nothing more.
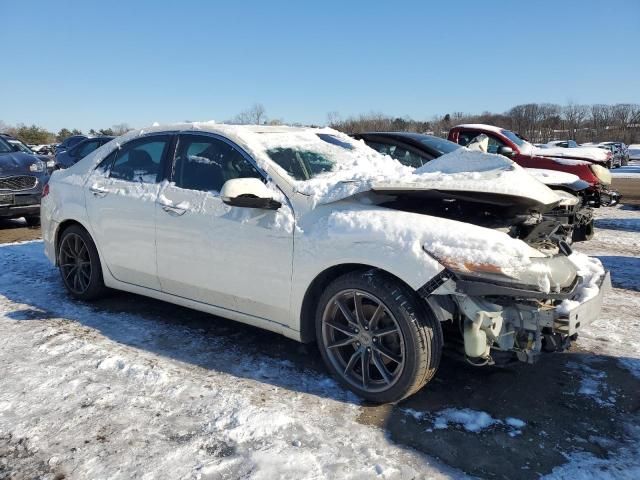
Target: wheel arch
(62, 227)
(317, 286)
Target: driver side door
(236, 258)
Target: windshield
(4, 146)
(305, 155)
(21, 146)
(515, 138)
(440, 145)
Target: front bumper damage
(494, 318)
(602, 197)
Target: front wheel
(79, 264)
(377, 336)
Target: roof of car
(481, 126)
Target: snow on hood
(552, 177)
(592, 154)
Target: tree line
(35, 135)
(539, 122)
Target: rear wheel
(377, 337)
(33, 220)
(79, 264)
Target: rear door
(120, 201)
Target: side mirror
(248, 193)
(506, 151)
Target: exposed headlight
(603, 174)
(51, 163)
(544, 274)
(38, 166)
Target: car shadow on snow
(621, 224)
(568, 402)
(625, 271)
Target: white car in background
(634, 151)
(314, 235)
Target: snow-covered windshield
(308, 154)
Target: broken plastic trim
(433, 284)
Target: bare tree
(256, 115)
(120, 129)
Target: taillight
(45, 190)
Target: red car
(512, 145)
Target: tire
(583, 232)
(409, 335)
(84, 281)
(33, 220)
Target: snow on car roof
(355, 167)
(482, 126)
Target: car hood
(474, 176)
(16, 163)
(590, 154)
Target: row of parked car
(25, 170)
(323, 237)
(618, 151)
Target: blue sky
(94, 64)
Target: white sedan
(314, 235)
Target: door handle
(98, 192)
(173, 210)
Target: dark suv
(67, 158)
(22, 177)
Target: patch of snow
(632, 170)
(470, 420)
(591, 271)
(475, 421)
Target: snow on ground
(94, 393)
(98, 394)
(628, 171)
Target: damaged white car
(314, 235)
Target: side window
(87, 148)
(140, 159)
(494, 144)
(107, 161)
(404, 156)
(464, 138)
(205, 163)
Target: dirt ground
(629, 188)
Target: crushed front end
(487, 315)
